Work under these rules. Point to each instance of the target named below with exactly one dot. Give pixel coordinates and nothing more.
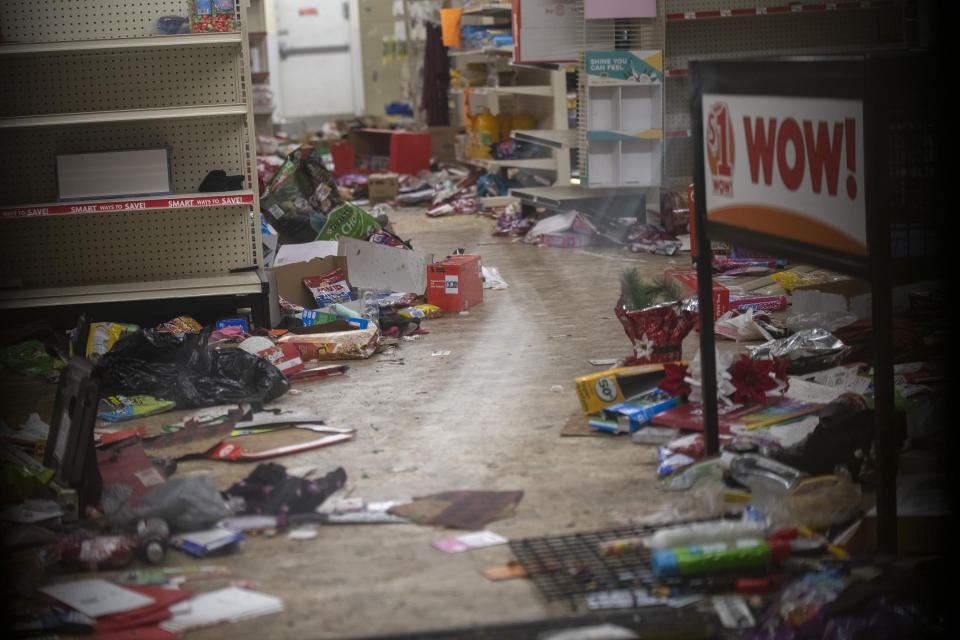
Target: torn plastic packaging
(804, 351)
(190, 503)
(158, 364)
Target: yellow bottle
(524, 120)
(505, 124)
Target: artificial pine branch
(639, 294)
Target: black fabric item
(436, 79)
(269, 490)
(218, 180)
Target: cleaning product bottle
(486, 124)
(152, 537)
(718, 556)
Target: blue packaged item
(636, 412)
(232, 322)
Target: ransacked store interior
(454, 319)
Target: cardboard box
(849, 296)
(686, 280)
(383, 187)
(287, 280)
(455, 284)
(600, 390)
(443, 142)
(377, 266)
(376, 150)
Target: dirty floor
(488, 416)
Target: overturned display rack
(572, 567)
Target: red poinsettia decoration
(752, 379)
(674, 383)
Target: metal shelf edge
(231, 284)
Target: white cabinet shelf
(187, 40)
(553, 138)
(129, 115)
(92, 76)
(223, 285)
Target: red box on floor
(369, 151)
(686, 279)
(455, 284)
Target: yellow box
(599, 390)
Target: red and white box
(284, 356)
(455, 284)
(686, 280)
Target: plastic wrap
(190, 503)
(804, 351)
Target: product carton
(686, 280)
(455, 284)
(383, 187)
(600, 390)
(443, 142)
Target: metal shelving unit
(94, 76)
(542, 83)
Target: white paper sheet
(96, 597)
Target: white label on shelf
(725, 13)
(788, 167)
(689, 15)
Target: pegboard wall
(120, 79)
(70, 20)
(198, 146)
(126, 247)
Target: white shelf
(247, 282)
(131, 115)
(562, 195)
(553, 138)
(488, 9)
(504, 50)
(531, 163)
(186, 40)
(146, 203)
(526, 90)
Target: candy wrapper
(329, 288)
(337, 345)
(460, 205)
(211, 16)
(804, 351)
(656, 332)
(348, 221)
(103, 335)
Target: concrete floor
(486, 417)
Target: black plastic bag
(159, 364)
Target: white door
(318, 58)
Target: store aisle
(488, 416)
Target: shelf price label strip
(792, 8)
(80, 208)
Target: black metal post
(708, 360)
